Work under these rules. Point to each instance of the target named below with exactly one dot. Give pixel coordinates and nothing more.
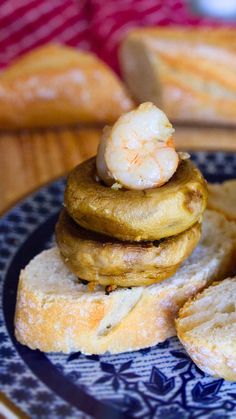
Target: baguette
(222, 198)
(59, 85)
(206, 326)
(190, 73)
(56, 313)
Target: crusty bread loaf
(207, 328)
(190, 73)
(55, 312)
(222, 198)
(58, 85)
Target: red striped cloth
(96, 25)
(25, 24)
(111, 20)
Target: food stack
(132, 215)
(124, 231)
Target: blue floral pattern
(116, 376)
(151, 383)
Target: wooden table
(31, 159)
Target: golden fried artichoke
(108, 261)
(136, 215)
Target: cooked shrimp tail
(138, 151)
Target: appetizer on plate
(131, 217)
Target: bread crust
(135, 215)
(183, 76)
(222, 198)
(55, 313)
(108, 261)
(206, 326)
(59, 85)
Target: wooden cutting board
(31, 159)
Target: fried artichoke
(108, 261)
(136, 215)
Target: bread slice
(56, 313)
(207, 328)
(222, 198)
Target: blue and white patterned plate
(151, 383)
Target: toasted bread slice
(56, 313)
(222, 198)
(207, 328)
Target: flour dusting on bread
(56, 313)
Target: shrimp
(138, 151)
